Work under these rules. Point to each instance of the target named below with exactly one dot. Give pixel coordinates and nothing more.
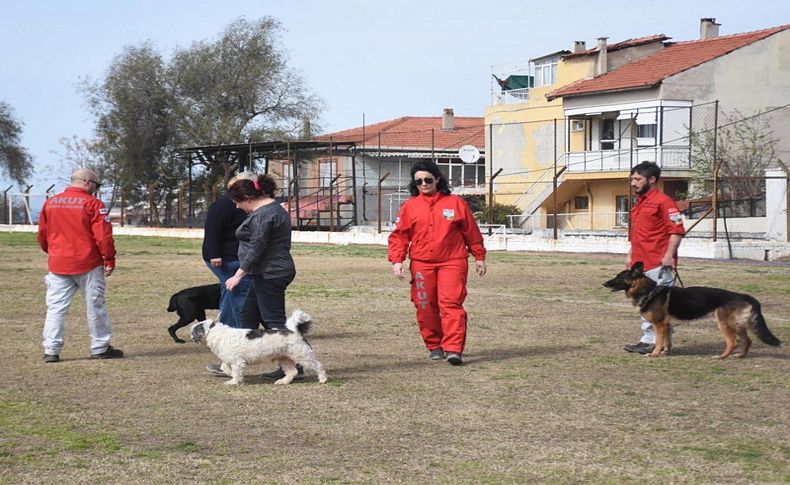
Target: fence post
(7, 205)
(153, 217)
(490, 217)
(787, 198)
(181, 203)
(123, 205)
(331, 183)
(715, 199)
(716, 165)
(28, 218)
(378, 195)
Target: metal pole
(123, 206)
(331, 202)
(354, 187)
(379, 197)
(490, 155)
(491, 198)
(716, 165)
(433, 138)
(7, 204)
(715, 199)
(787, 198)
(28, 219)
(554, 181)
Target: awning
(515, 82)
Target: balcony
(510, 96)
(622, 160)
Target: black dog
(664, 305)
(191, 304)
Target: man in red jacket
(74, 230)
(438, 231)
(656, 231)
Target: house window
(607, 134)
(327, 170)
(459, 174)
(286, 173)
(577, 125)
(581, 203)
(546, 71)
(621, 210)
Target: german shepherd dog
(191, 304)
(660, 305)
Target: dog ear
(638, 267)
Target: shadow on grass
(757, 350)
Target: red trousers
(438, 291)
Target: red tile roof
(622, 45)
(675, 58)
(416, 132)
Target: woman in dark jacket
(220, 252)
(264, 252)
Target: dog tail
(172, 306)
(758, 326)
(299, 322)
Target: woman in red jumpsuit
(438, 231)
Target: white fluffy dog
(239, 347)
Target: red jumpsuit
(438, 232)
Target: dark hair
(244, 189)
(647, 170)
(433, 169)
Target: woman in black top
(264, 252)
(220, 252)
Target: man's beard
(643, 191)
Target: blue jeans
(230, 302)
(265, 303)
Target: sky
(377, 59)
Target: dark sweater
(265, 243)
(219, 237)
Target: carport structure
(314, 200)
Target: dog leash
(675, 280)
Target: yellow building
(528, 133)
(565, 145)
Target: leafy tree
(746, 145)
(133, 106)
(15, 161)
(237, 89)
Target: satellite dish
(469, 154)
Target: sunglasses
(95, 182)
(425, 181)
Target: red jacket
(653, 219)
(75, 230)
(435, 228)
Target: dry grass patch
(547, 394)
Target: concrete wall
(690, 248)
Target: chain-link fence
(566, 176)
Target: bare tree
(747, 147)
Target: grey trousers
(60, 293)
(662, 276)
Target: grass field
(547, 395)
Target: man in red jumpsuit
(656, 231)
(74, 230)
(438, 231)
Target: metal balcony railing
(623, 160)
